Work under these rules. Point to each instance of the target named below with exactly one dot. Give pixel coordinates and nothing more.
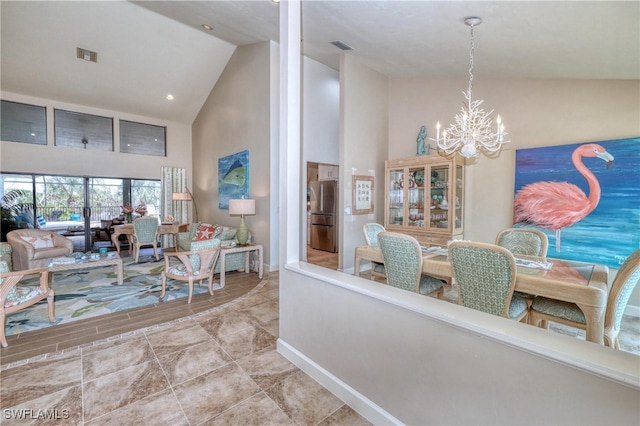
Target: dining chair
(403, 264)
(527, 242)
(14, 297)
(371, 231)
(486, 277)
(196, 265)
(545, 309)
(145, 233)
(523, 241)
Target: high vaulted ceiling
(148, 49)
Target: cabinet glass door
(416, 214)
(439, 202)
(459, 199)
(396, 197)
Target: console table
(247, 249)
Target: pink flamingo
(556, 205)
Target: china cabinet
(424, 198)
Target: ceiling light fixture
(471, 133)
(207, 27)
(169, 97)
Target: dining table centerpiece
(127, 210)
(141, 209)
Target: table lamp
(187, 196)
(242, 207)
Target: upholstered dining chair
(14, 297)
(527, 242)
(371, 231)
(486, 277)
(403, 263)
(544, 309)
(523, 241)
(145, 233)
(196, 265)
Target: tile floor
(218, 367)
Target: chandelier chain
(471, 52)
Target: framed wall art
(362, 194)
(233, 178)
(584, 196)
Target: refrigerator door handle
(322, 197)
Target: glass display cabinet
(424, 198)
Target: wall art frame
(609, 232)
(233, 178)
(362, 190)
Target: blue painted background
(612, 231)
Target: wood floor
(322, 258)
(71, 335)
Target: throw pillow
(45, 241)
(206, 232)
(228, 234)
(41, 221)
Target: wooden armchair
(14, 298)
(196, 265)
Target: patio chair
(544, 309)
(403, 263)
(14, 298)
(371, 231)
(145, 233)
(486, 277)
(196, 265)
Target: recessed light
(275, 1)
(169, 97)
(207, 27)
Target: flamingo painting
(556, 205)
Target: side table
(247, 249)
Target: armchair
(34, 248)
(14, 298)
(190, 266)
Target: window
(83, 131)
(23, 123)
(138, 138)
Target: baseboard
(350, 396)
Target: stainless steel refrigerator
(324, 221)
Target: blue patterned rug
(89, 293)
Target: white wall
(50, 159)
(236, 116)
(363, 147)
(401, 358)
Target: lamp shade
(182, 196)
(242, 207)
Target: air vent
(341, 45)
(87, 55)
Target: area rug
(93, 292)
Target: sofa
(225, 234)
(34, 248)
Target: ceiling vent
(87, 55)
(341, 45)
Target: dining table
(127, 229)
(582, 283)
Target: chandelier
(471, 133)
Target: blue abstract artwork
(233, 178)
(584, 196)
